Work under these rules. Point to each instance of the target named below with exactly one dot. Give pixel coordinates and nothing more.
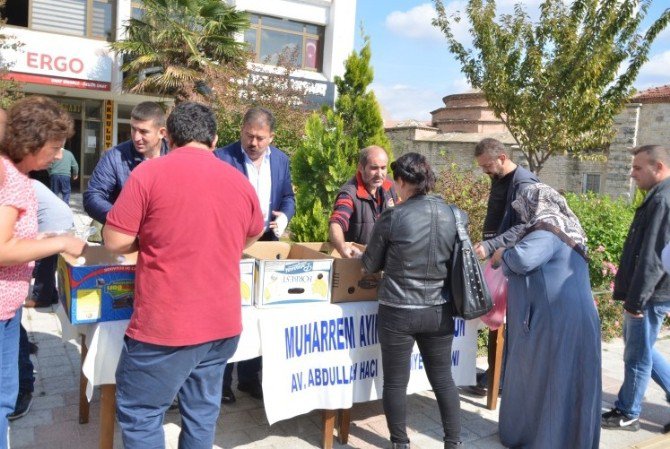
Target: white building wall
(337, 16)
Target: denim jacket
(109, 176)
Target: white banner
(328, 357)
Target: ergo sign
(63, 64)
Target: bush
(324, 161)
(467, 190)
(605, 222)
(611, 315)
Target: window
(87, 18)
(269, 36)
(136, 9)
(591, 183)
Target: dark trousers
(149, 377)
(44, 289)
(247, 372)
(432, 328)
(60, 185)
(26, 368)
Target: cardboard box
(247, 281)
(286, 275)
(349, 282)
(99, 288)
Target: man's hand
(634, 315)
(278, 225)
(480, 251)
(496, 259)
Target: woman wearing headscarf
(413, 243)
(552, 393)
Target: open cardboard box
(98, 287)
(289, 274)
(349, 282)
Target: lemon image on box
(245, 291)
(320, 286)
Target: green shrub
(325, 160)
(467, 190)
(611, 315)
(605, 222)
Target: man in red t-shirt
(189, 215)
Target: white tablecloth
(105, 341)
(341, 368)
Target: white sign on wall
(328, 357)
(58, 60)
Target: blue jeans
(641, 359)
(60, 185)
(9, 371)
(149, 377)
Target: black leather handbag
(469, 293)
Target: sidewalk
(53, 419)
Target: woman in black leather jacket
(413, 244)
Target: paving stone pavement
(53, 419)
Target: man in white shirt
(268, 171)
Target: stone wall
(654, 125)
(561, 172)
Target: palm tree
(175, 43)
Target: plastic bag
(497, 283)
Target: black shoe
(23, 403)
(228, 397)
(475, 390)
(616, 419)
(255, 389)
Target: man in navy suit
(267, 168)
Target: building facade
(466, 119)
(64, 53)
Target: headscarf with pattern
(539, 205)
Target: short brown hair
(149, 110)
(31, 123)
(656, 153)
(490, 147)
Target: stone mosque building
(466, 119)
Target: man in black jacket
(507, 181)
(644, 287)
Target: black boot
(452, 445)
(399, 445)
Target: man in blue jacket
(267, 168)
(147, 141)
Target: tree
(171, 48)
(356, 104)
(328, 155)
(556, 84)
(10, 90)
(319, 168)
(275, 89)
